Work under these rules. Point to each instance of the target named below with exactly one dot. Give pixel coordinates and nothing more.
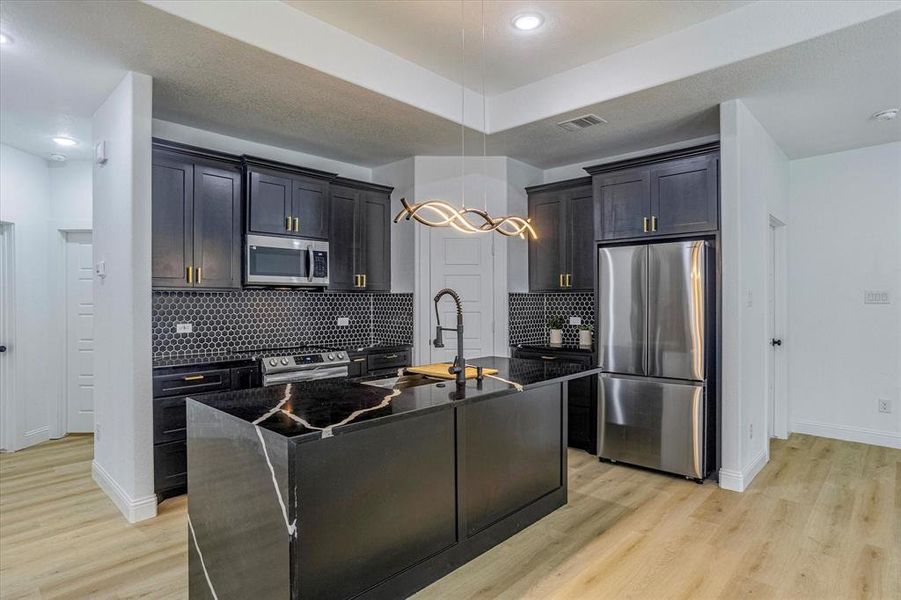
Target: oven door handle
(310, 262)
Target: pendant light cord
(463, 103)
(484, 117)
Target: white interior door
(464, 263)
(79, 333)
(771, 332)
(7, 331)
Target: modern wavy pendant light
(441, 213)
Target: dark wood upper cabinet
(286, 200)
(375, 240)
(172, 219)
(580, 243)
(546, 261)
(310, 207)
(562, 256)
(625, 205)
(684, 196)
(342, 238)
(675, 193)
(359, 236)
(196, 220)
(270, 206)
(217, 226)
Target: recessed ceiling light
(5, 39)
(64, 141)
(58, 157)
(528, 21)
(885, 115)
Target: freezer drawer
(652, 423)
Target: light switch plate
(876, 297)
(575, 320)
(184, 328)
(343, 321)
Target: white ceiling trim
(729, 38)
(297, 36)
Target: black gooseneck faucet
(459, 367)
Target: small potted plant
(555, 327)
(585, 335)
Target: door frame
(59, 410)
(10, 440)
(777, 412)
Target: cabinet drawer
(389, 360)
(357, 366)
(169, 419)
(170, 465)
(191, 382)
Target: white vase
(555, 336)
(584, 337)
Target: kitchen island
(337, 489)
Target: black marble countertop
(380, 347)
(314, 409)
(542, 346)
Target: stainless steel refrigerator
(654, 338)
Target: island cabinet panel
(511, 454)
(373, 503)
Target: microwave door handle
(310, 263)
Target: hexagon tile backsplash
(529, 314)
(253, 319)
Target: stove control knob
(331, 357)
(272, 362)
(340, 356)
(284, 361)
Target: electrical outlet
(184, 328)
(343, 321)
(575, 320)
(885, 405)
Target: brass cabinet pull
(390, 356)
(364, 279)
(288, 223)
(190, 274)
(360, 359)
(296, 224)
(549, 358)
(654, 223)
(193, 377)
(357, 280)
(199, 273)
(569, 280)
(561, 280)
(644, 224)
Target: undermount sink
(403, 381)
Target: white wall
(754, 184)
(123, 443)
(70, 194)
(399, 175)
(25, 202)
(845, 238)
(176, 132)
(519, 176)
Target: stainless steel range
(302, 364)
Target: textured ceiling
(574, 32)
(813, 97)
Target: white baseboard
(134, 509)
(848, 433)
(36, 436)
(738, 481)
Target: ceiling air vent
(581, 122)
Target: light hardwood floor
(823, 520)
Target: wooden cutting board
(439, 370)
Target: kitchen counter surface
(315, 409)
(542, 346)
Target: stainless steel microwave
(284, 261)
